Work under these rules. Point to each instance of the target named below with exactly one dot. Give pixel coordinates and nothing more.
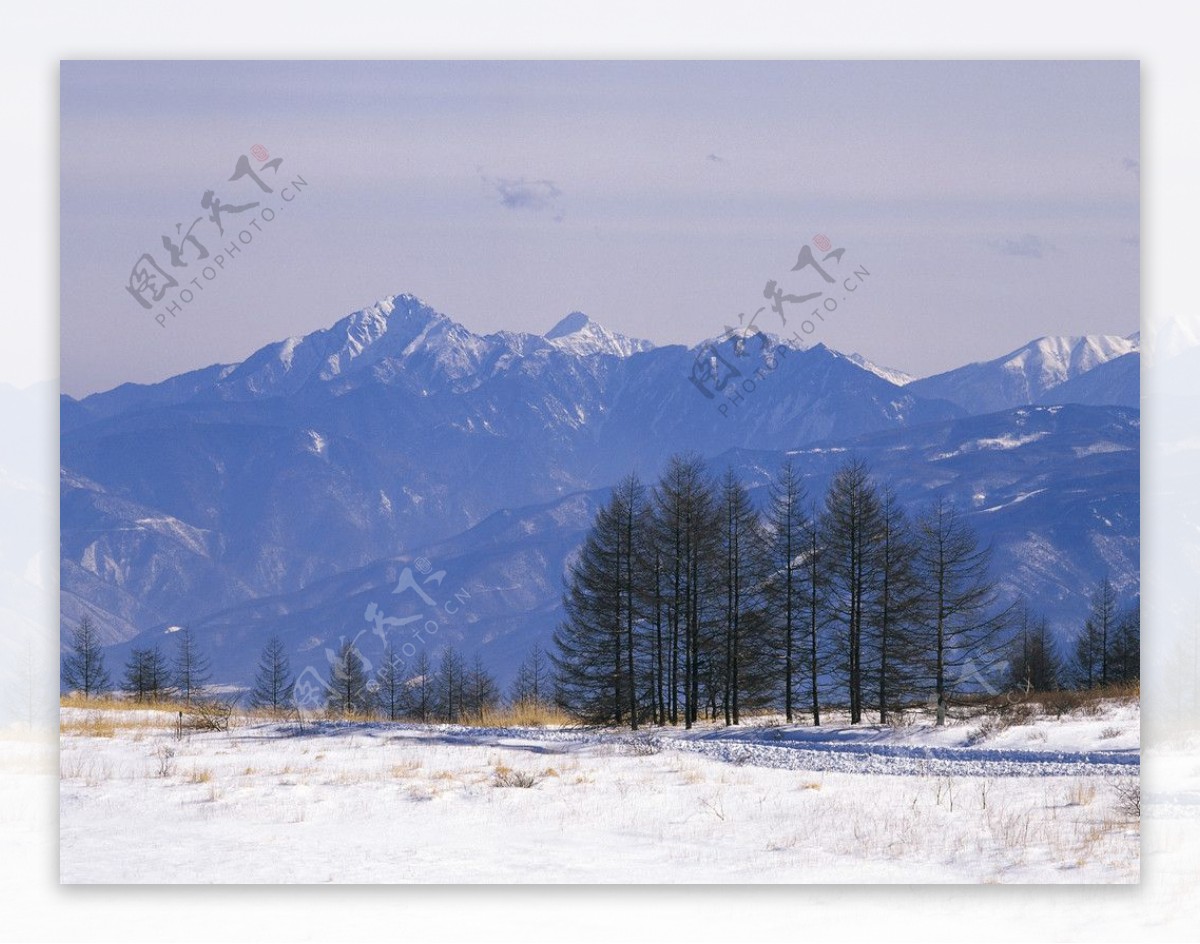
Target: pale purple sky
(991, 202)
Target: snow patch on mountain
(890, 374)
(1009, 441)
(316, 442)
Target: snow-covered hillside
(338, 802)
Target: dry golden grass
(117, 703)
(526, 716)
(516, 716)
(331, 714)
(106, 724)
(505, 776)
(1057, 703)
(168, 707)
(267, 714)
(1089, 702)
(104, 717)
(100, 702)
(1081, 794)
(406, 768)
(92, 724)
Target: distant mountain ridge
(1117, 381)
(1054, 491)
(1029, 374)
(383, 338)
(397, 431)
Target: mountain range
(288, 493)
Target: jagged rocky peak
(578, 334)
(574, 322)
(389, 314)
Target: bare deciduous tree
(273, 682)
(147, 675)
(190, 669)
(83, 668)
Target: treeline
(149, 675)
(1106, 651)
(450, 691)
(688, 603)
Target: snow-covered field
(1045, 801)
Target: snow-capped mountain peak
(579, 335)
(1049, 361)
(1025, 375)
(377, 339)
(570, 324)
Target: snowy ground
(1040, 802)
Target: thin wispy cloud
(519, 193)
(1028, 246)
(509, 147)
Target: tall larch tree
(273, 680)
(852, 525)
(83, 668)
(963, 633)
